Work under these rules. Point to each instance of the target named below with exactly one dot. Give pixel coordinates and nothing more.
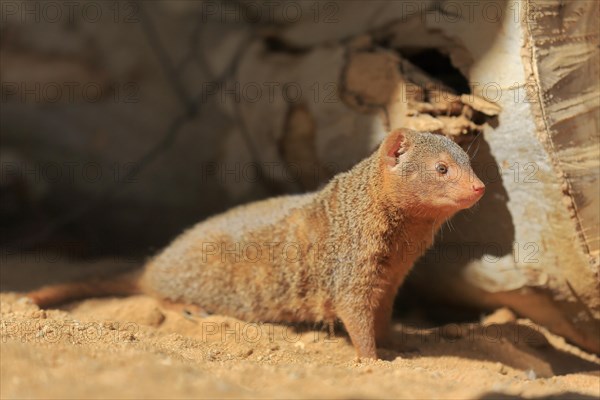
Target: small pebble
(247, 353)
(501, 368)
(24, 300)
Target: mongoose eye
(441, 168)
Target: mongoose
(341, 252)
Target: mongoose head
(427, 174)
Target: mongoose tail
(121, 285)
(353, 243)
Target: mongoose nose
(480, 189)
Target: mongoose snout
(375, 220)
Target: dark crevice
(438, 65)
(276, 45)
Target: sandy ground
(133, 348)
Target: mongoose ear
(394, 145)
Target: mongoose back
(341, 252)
